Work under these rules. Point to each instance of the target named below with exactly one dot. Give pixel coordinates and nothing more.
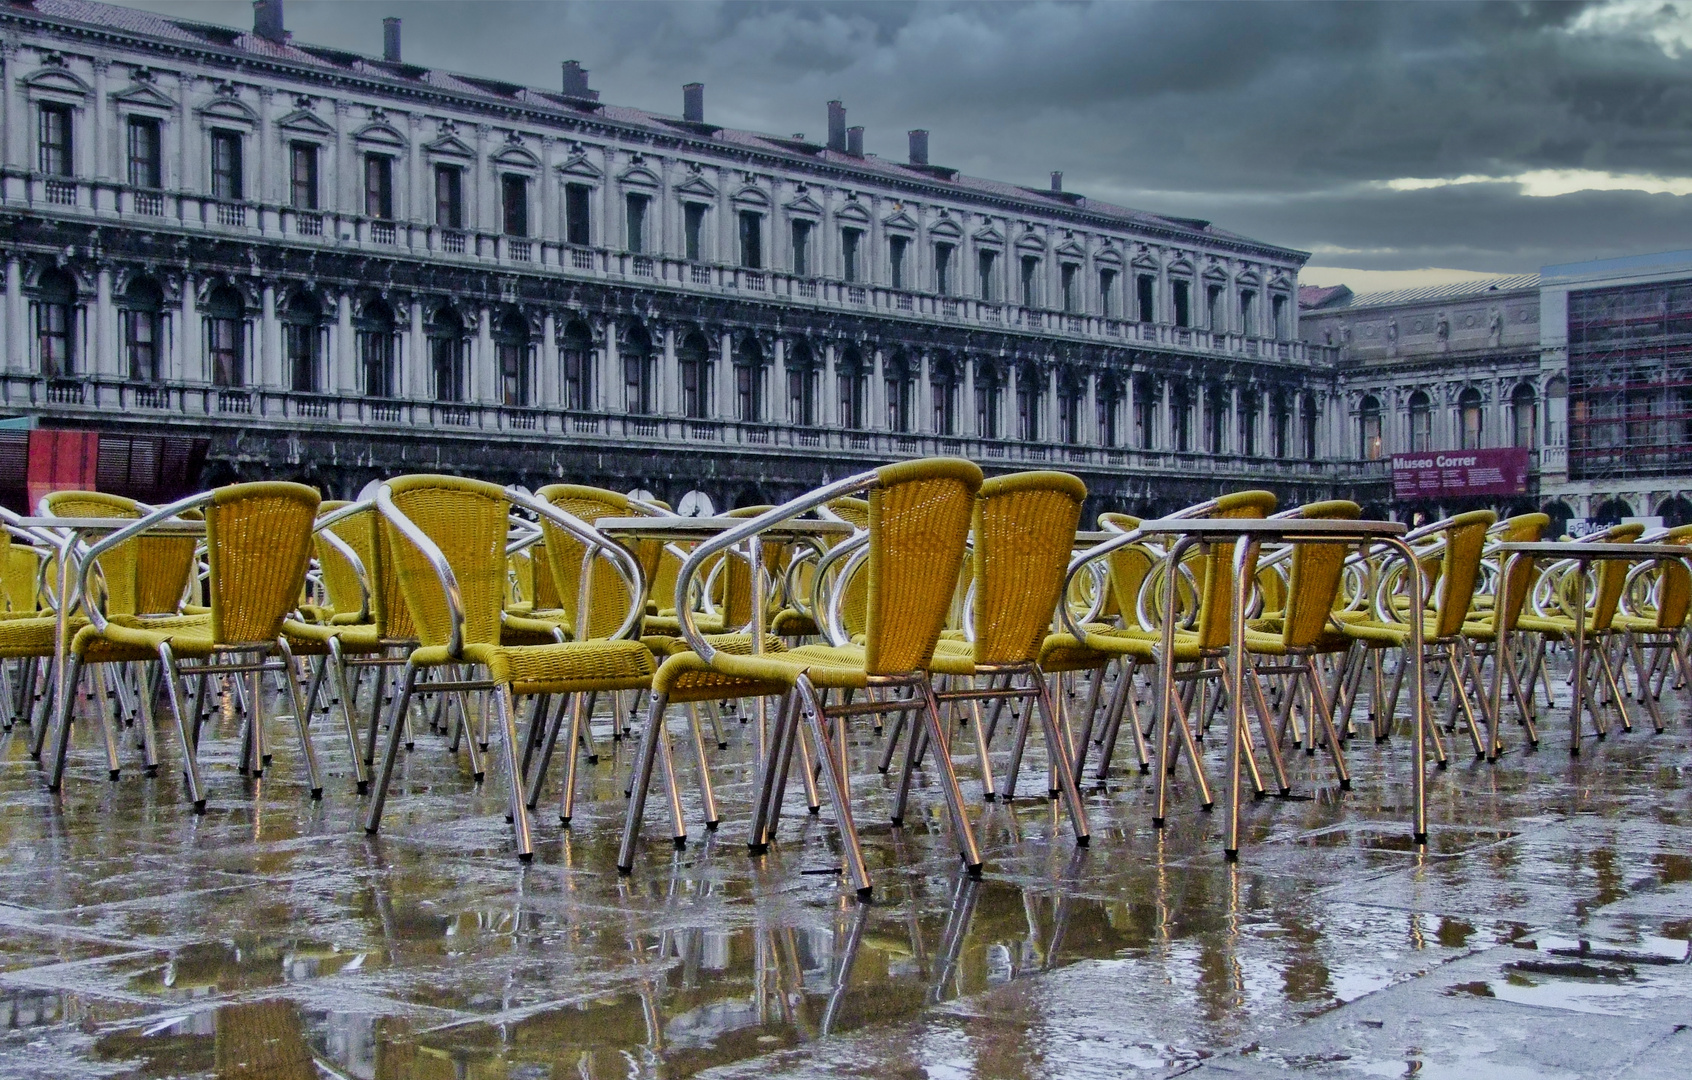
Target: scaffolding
(1630, 382)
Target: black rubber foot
(267, 759)
(1145, 768)
(1231, 854)
(526, 857)
(364, 787)
(1157, 823)
(200, 807)
(316, 794)
(757, 849)
(151, 770)
(679, 842)
(988, 796)
(1442, 765)
(973, 870)
(881, 770)
(368, 831)
(1083, 841)
(564, 822)
(624, 871)
(1480, 757)
(593, 759)
(113, 774)
(1345, 785)
(1259, 796)
(1208, 807)
(483, 747)
(711, 826)
(897, 822)
(1379, 739)
(1054, 795)
(815, 810)
(1601, 736)
(509, 819)
(1574, 751)
(864, 894)
(722, 746)
(1419, 838)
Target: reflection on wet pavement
(272, 939)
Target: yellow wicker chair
(1489, 628)
(918, 528)
(1657, 627)
(258, 546)
(446, 538)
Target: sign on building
(1456, 474)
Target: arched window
(852, 386)
(1369, 446)
(636, 355)
(511, 351)
(749, 381)
(1181, 417)
(801, 385)
(1248, 424)
(1611, 512)
(1307, 413)
(143, 329)
(988, 391)
(376, 347)
(1560, 514)
(1524, 415)
(1145, 414)
(693, 356)
(1676, 512)
(1029, 399)
(1280, 425)
(1072, 401)
(1215, 418)
(302, 341)
(901, 393)
(1421, 423)
(943, 385)
(447, 354)
(55, 324)
(226, 337)
(1469, 417)
(1556, 410)
(576, 355)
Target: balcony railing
(308, 224)
(61, 192)
(232, 215)
(518, 250)
(150, 203)
(383, 232)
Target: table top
(1275, 528)
(1596, 552)
(103, 524)
(704, 528)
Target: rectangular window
(1183, 303)
(513, 361)
(376, 349)
(751, 240)
(1248, 312)
(576, 214)
(226, 166)
(636, 223)
(54, 139)
(943, 269)
(55, 339)
(1030, 281)
(1278, 315)
(1213, 308)
(1107, 288)
(225, 334)
(302, 176)
(449, 197)
(984, 275)
(1145, 290)
(444, 357)
(849, 240)
(379, 187)
(802, 248)
(514, 200)
(146, 162)
(299, 341)
(141, 337)
(693, 225)
(1071, 302)
(896, 261)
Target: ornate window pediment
(853, 214)
(804, 204)
(57, 81)
(1031, 243)
(899, 220)
(1108, 257)
(228, 110)
(1181, 265)
(578, 167)
(946, 228)
(696, 188)
(988, 235)
(380, 134)
(1069, 249)
(751, 196)
(143, 96)
(1247, 277)
(1215, 274)
(638, 176)
(303, 122)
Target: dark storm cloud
(1276, 120)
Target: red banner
(1455, 474)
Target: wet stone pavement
(1543, 932)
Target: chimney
(693, 103)
(919, 146)
(267, 21)
(837, 126)
(1057, 183)
(391, 40)
(855, 141)
(575, 79)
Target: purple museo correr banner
(1451, 474)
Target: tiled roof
(327, 59)
(1459, 290)
(1311, 297)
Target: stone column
(1052, 434)
(924, 422)
(776, 403)
(547, 391)
(666, 398)
(610, 367)
(484, 366)
(99, 110)
(1008, 406)
(421, 369)
(722, 380)
(877, 397)
(190, 337)
(830, 388)
(270, 343)
(345, 376)
(105, 319)
(968, 422)
(1128, 412)
(17, 351)
(1090, 432)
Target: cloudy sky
(1396, 141)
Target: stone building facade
(337, 267)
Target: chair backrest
(1516, 582)
(258, 544)
(1314, 578)
(117, 566)
(469, 521)
(1612, 576)
(608, 596)
(853, 510)
(1459, 569)
(340, 580)
(1024, 532)
(1217, 568)
(919, 524)
(21, 577)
